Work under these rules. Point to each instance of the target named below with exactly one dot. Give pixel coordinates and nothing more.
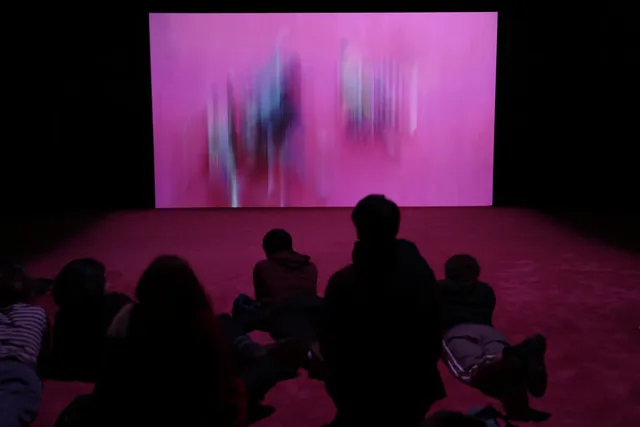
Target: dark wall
(84, 113)
(567, 102)
(81, 137)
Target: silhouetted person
(382, 337)
(23, 344)
(285, 286)
(479, 354)
(173, 367)
(81, 323)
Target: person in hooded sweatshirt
(286, 302)
(479, 354)
(383, 304)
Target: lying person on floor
(24, 336)
(479, 354)
(286, 302)
(80, 327)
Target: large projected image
(304, 110)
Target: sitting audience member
(383, 304)
(261, 367)
(23, 342)
(479, 354)
(80, 326)
(286, 284)
(173, 366)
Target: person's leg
(78, 413)
(20, 393)
(248, 312)
(503, 378)
(243, 347)
(462, 350)
(299, 317)
(532, 354)
(280, 362)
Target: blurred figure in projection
(222, 152)
(351, 89)
(268, 117)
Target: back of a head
(277, 240)
(173, 324)
(169, 285)
(462, 268)
(80, 283)
(13, 285)
(376, 219)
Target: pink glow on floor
(583, 295)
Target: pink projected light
(311, 110)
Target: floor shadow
(25, 237)
(618, 228)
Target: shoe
(314, 364)
(535, 368)
(531, 415)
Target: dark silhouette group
(167, 358)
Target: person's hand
(120, 323)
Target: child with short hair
(24, 332)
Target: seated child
(285, 283)
(284, 273)
(81, 323)
(23, 342)
(479, 354)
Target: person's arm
(120, 323)
(430, 301)
(259, 284)
(314, 273)
(329, 335)
(491, 301)
(44, 359)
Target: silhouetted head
(462, 268)
(80, 283)
(14, 285)
(277, 240)
(376, 218)
(171, 286)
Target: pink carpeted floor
(583, 295)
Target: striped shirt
(22, 327)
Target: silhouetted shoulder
(260, 265)
(486, 289)
(341, 279)
(408, 245)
